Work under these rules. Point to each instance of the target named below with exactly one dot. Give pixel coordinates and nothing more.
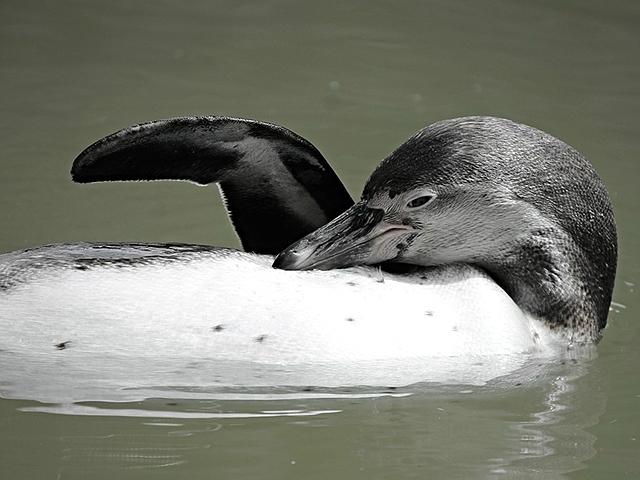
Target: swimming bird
(520, 204)
(508, 232)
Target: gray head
(524, 206)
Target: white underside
(235, 321)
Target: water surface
(355, 78)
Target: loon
(478, 242)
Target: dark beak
(359, 236)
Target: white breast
(233, 320)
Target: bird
(476, 245)
(525, 207)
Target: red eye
(418, 202)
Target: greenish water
(355, 78)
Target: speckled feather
(578, 240)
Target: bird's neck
(541, 276)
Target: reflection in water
(132, 412)
(119, 378)
(556, 441)
(531, 429)
(91, 452)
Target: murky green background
(355, 78)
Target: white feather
(233, 320)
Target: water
(355, 78)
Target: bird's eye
(420, 201)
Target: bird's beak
(359, 236)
